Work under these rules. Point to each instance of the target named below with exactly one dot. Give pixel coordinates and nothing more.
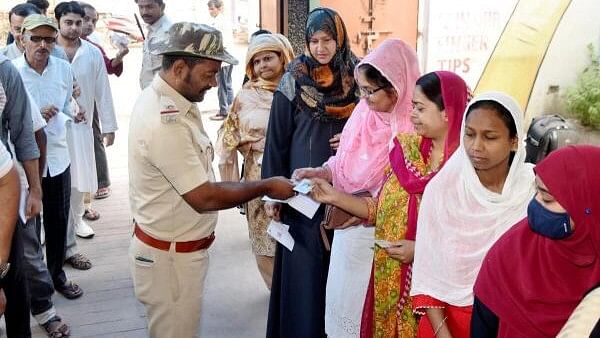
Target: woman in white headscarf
(478, 195)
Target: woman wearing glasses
(383, 111)
(438, 101)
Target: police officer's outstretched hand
(279, 188)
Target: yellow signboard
(515, 62)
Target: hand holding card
(304, 186)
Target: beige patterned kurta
(244, 130)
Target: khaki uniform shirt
(584, 318)
(169, 155)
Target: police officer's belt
(191, 246)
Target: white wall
(566, 57)
(446, 24)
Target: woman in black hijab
(315, 97)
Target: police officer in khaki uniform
(172, 191)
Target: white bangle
(440, 326)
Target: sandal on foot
(55, 328)
(79, 262)
(91, 214)
(70, 290)
(102, 193)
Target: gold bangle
(371, 210)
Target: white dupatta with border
(459, 219)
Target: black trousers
(100, 153)
(484, 323)
(17, 294)
(56, 202)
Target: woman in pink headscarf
(386, 88)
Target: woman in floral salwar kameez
(439, 102)
(244, 131)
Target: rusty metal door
(369, 22)
(270, 15)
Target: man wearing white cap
(49, 80)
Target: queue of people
(442, 202)
(450, 233)
(53, 82)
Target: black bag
(546, 134)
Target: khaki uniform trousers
(170, 285)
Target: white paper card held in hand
(386, 244)
(280, 233)
(269, 199)
(305, 205)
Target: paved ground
(236, 299)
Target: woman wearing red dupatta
(439, 102)
(536, 274)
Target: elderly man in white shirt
(49, 81)
(153, 14)
(15, 19)
(90, 71)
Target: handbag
(335, 217)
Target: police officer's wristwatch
(4, 267)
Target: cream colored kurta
(244, 131)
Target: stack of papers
(301, 202)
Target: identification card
(305, 205)
(385, 244)
(269, 199)
(280, 232)
(304, 186)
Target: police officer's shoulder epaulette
(169, 112)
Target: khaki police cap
(34, 21)
(196, 40)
